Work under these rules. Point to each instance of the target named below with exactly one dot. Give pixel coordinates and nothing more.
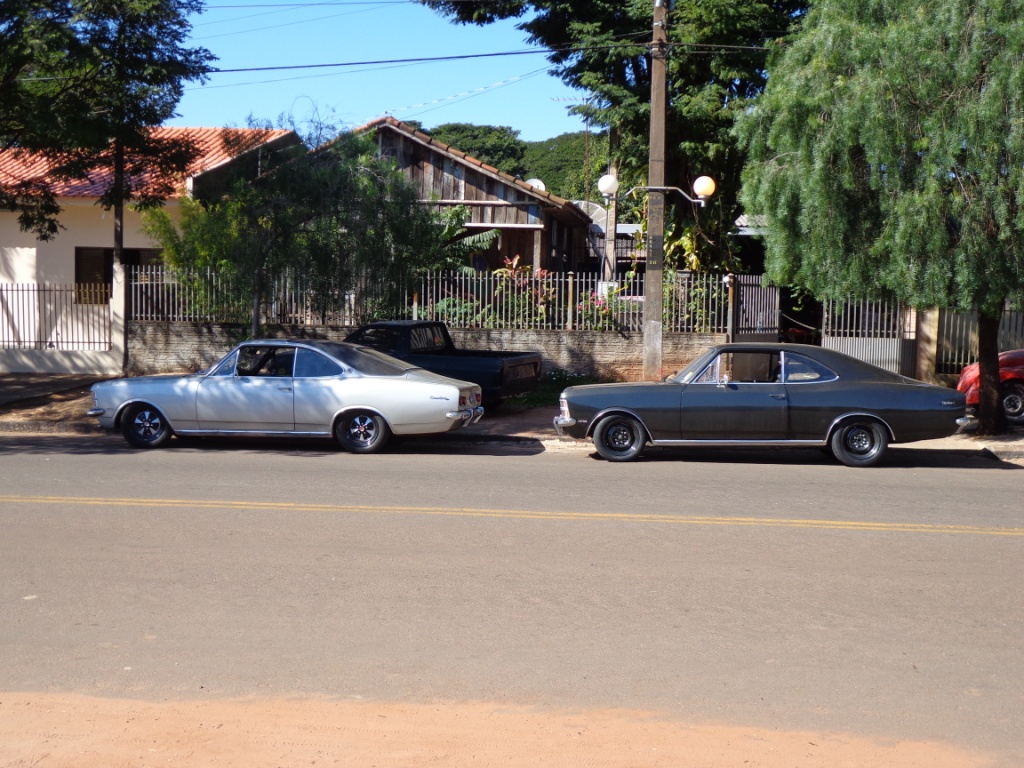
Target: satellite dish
(537, 183)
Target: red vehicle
(1011, 384)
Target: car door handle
(778, 396)
(284, 389)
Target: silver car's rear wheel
(362, 432)
(860, 443)
(143, 426)
(619, 438)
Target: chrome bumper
(96, 412)
(966, 423)
(467, 416)
(563, 422)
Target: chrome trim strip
(745, 443)
(269, 433)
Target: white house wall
(24, 259)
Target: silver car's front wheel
(143, 426)
(362, 432)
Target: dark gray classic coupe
(771, 395)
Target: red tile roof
(216, 147)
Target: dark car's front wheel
(362, 432)
(619, 438)
(143, 426)
(1012, 394)
(860, 443)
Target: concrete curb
(50, 427)
(1008, 451)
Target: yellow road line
(764, 522)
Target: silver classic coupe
(764, 395)
(299, 388)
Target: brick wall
(173, 347)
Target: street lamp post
(608, 185)
(703, 188)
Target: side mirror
(724, 381)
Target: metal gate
(879, 332)
(755, 310)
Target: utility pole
(611, 221)
(654, 291)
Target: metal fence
(566, 300)
(756, 313)
(883, 333)
(158, 294)
(958, 338)
(63, 317)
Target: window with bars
(94, 270)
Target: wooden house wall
(528, 230)
(491, 202)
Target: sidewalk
(21, 411)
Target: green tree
(887, 154)
(82, 83)
(570, 164)
(716, 65)
(498, 146)
(335, 215)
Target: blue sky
(515, 91)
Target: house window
(94, 270)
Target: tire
(619, 438)
(362, 432)
(143, 426)
(1011, 393)
(860, 442)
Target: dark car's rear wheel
(619, 438)
(1012, 394)
(860, 442)
(143, 426)
(362, 432)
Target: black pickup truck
(428, 345)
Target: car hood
(615, 389)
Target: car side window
(265, 361)
(425, 340)
(313, 365)
(710, 374)
(800, 369)
(742, 368)
(227, 366)
(384, 339)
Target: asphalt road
(775, 589)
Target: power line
(380, 62)
(696, 47)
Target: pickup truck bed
(428, 345)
